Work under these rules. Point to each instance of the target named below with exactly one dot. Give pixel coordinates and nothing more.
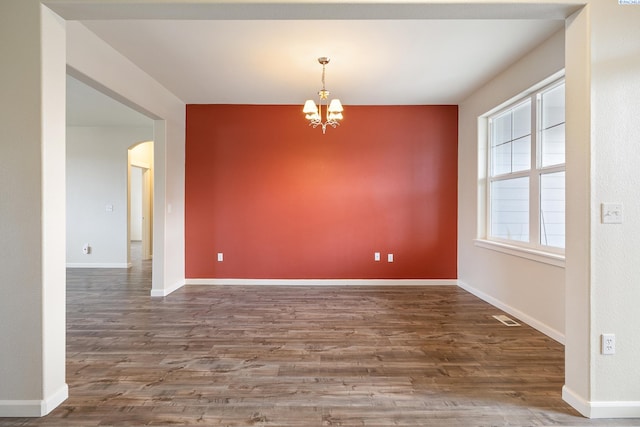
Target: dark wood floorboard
(300, 356)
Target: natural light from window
(526, 171)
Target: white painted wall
(141, 159)
(53, 279)
(32, 197)
(97, 163)
(135, 228)
(578, 351)
(92, 60)
(601, 290)
(32, 275)
(602, 270)
(530, 290)
(615, 145)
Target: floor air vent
(506, 320)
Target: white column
(159, 283)
(603, 150)
(615, 177)
(578, 227)
(32, 193)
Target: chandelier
(333, 111)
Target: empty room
(319, 213)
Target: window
(526, 171)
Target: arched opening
(140, 202)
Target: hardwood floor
(300, 356)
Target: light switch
(612, 213)
(376, 256)
(389, 257)
(220, 257)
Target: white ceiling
(373, 62)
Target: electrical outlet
(608, 344)
(376, 256)
(220, 257)
(389, 257)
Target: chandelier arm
(315, 123)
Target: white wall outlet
(86, 249)
(608, 344)
(220, 257)
(376, 256)
(108, 208)
(612, 213)
(389, 257)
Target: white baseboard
(303, 282)
(595, 409)
(615, 409)
(21, 408)
(55, 399)
(33, 408)
(578, 403)
(99, 265)
(322, 282)
(534, 323)
(167, 291)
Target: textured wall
(615, 150)
(281, 200)
(530, 290)
(97, 177)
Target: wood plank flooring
(300, 356)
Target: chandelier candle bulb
(333, 111)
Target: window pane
(521, 156)
(522, 120)
(510, 209)
(552, 213)
(501, 159)
(552, 132)
(553, 145)
(501, 128)
(553, 107)
(511, 140)
(501, 144)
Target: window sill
(532, 254)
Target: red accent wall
(283, 201)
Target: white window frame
(532, 249)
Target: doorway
(140, 200)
